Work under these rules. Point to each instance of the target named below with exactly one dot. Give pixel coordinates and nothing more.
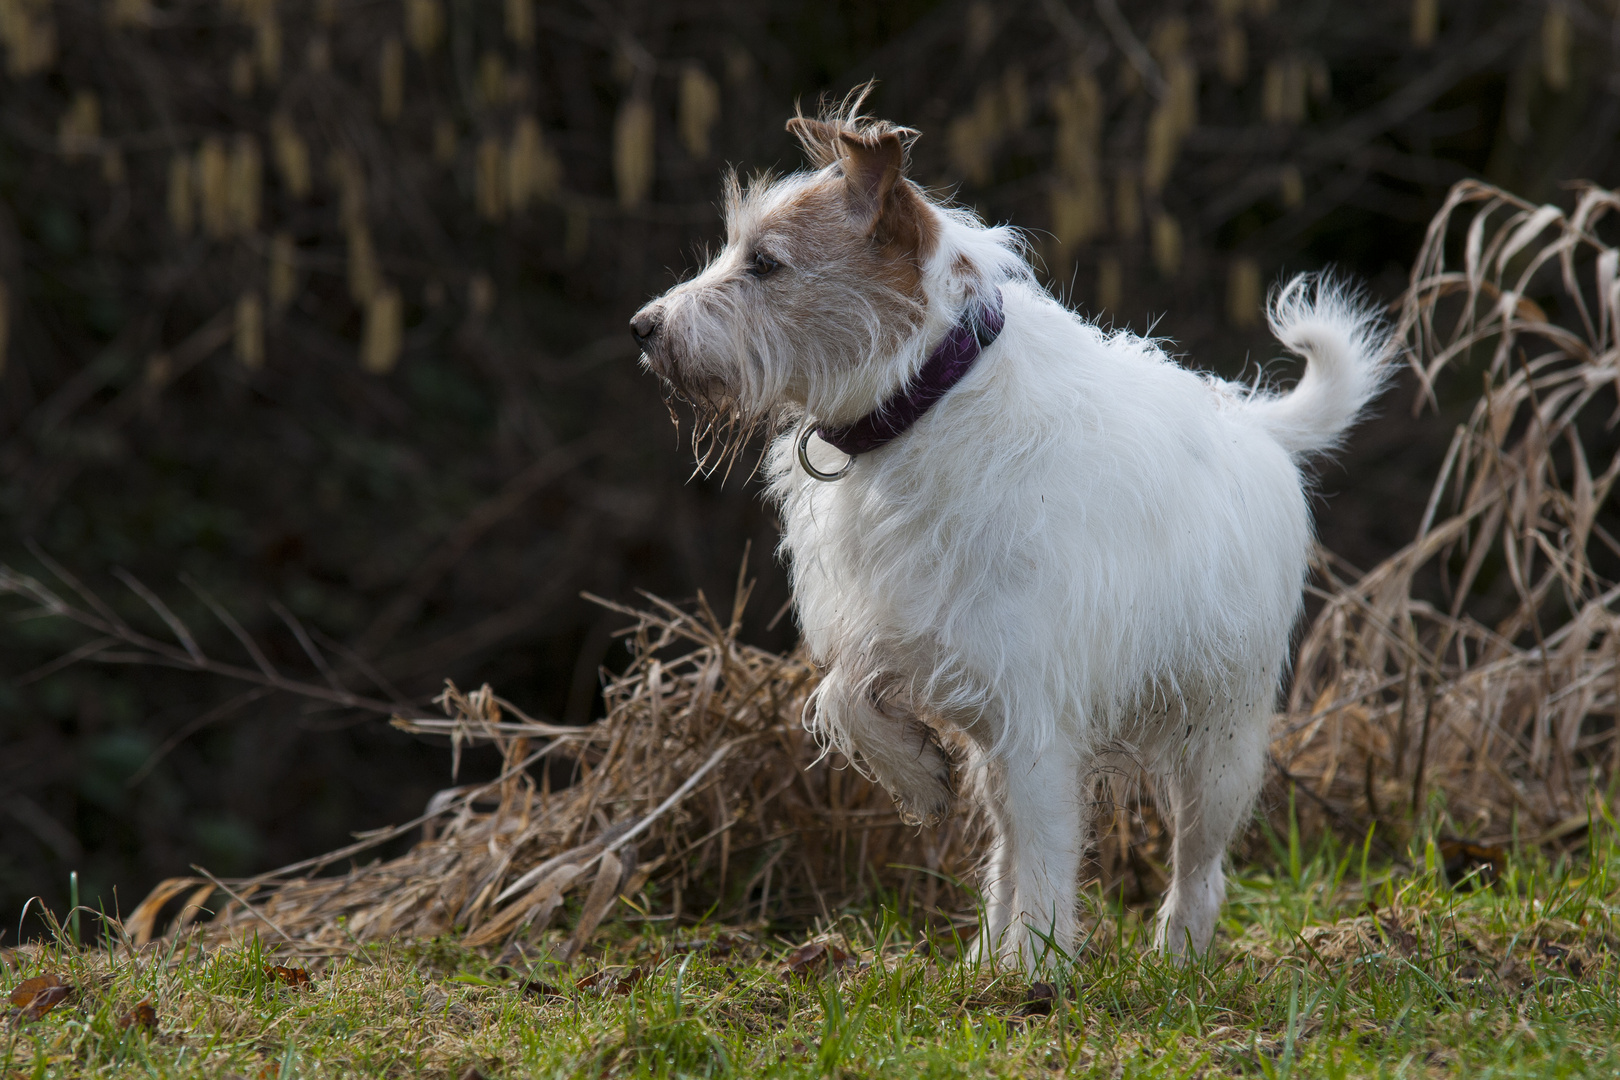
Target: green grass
(1324, 967)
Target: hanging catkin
(1425, 22)
(1555, 48)
(29, 35)
(1077, 193)
(242, 74)
(1110, 283)
(344, 168)
(291, 155)
(1127, 207)
(283, 272)
(267, 46)
(391, 79)
(533, 172)
(576, 235)
(520, 22)
(1243, 293)
(249, 332)
(1291, 186)
(246, 183)
(633, 151)
(493, 86)
(699, 109)
(1320, 77)
(1000, 107)
(980, 28)
(1283, 95)
(1015, 98)
(1173, 119)
(384, 333)
(129, 13)
(1078, 105)
(444, 141)
(79, 130)
(1166, 244)
(424, 24)
(1234, 53)
(364, 277)
(481, 295)
(181, 199)
(489, 179)
(214, 187)
(971, 139)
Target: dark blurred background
(322, 304)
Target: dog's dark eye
(762, 264)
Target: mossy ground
(1325, 966)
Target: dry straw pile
(700, 778)
(1476, 669)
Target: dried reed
(1478, 663)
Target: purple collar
(946, 366)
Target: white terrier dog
(1044, 537)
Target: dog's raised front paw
(918, 775)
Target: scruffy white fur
(1083, 548)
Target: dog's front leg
(885, 735)
(1042, 834)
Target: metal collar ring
(811, 470)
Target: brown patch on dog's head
(872, 156)
(819, 284)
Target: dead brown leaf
(1039, 1000)
(1463, 858)
(613, 980)
(37, 996)
(716, 948)
(817, 957)
(1404, 938)
(297, 978)
(544, 991)
(142, 1016)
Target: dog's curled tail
(1347, 350)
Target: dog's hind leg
(885, 735)
(1210, 789)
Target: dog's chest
(891, 558)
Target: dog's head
(821, 277)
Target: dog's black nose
(644, 327)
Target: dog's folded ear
(873, 165)
(873, 155)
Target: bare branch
(157, 605)
(152, 651)
(233, 626)
(315, 655)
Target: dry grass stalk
(1479, 662)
